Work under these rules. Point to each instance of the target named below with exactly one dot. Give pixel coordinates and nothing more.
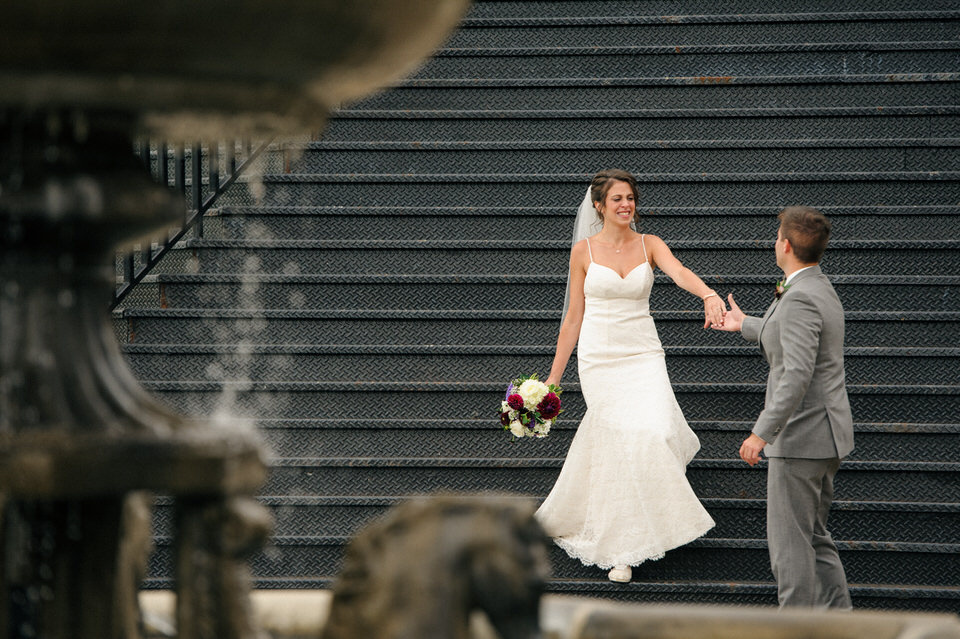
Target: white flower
(542, 430)
(533, 391)
(505, 407)
(517, 429)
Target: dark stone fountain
(82, 445)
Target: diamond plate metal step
(732, 560)
(488, 292)
(865, 257)
(448, 437)
(176, 326)
(542, 125)
(343, 362)
(560, 190)
(735, 518)
(862, 156)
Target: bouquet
(530, 407)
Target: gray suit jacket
(806, 412)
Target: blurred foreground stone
(82, 445)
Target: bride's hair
(603, 181)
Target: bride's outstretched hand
(714, 311)
(734, 318)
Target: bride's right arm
(570, 329)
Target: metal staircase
(365, 299)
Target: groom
(805, 426)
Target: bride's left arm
(661, 256)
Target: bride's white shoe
(620, 574)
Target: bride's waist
(611, 317)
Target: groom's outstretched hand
(750, 449)
(733, 320)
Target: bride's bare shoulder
(579, 249)
(653, 240)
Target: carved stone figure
(424, 567)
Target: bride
(622, 496)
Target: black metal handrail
(133, 270)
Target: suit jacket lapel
(763, 324)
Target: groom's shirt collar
(794, 274)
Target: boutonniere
(781, 288)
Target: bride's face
(620, 205)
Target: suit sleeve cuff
(750, 328)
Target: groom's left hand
(750, 449)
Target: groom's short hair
(808, 231)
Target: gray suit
(808, 428)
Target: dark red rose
(504, 419)
(549, 407)
(515, 401)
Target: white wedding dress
(622, 496)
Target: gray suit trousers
(803, 556)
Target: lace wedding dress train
(622, 496)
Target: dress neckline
(615, 272)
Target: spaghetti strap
(589, 251)
(645, 259)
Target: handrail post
(196, 182)
(128, 268)
(180, 176)
(162, 170)
(213, 165)
(231, 157)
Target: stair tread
(472, 20)
(556, 462)
(511, 145)
(620, 81)
(551, 314)
(580, 178)
(509, 278)
(680, 113)
(603, 584)
(493, 349)
(544, 244)
(693, 49)
(497, 386)
(568, 212)
(713, 502)
(703, 542)
(901, 428)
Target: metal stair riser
(673, 332)
(719, 405)
(744, 367)
(514, 226)
(640, 160)
(731, 523)
(886, 261)
(860, 296)
(853, 60)
(662, 191)
(704, 94)
(689, 34)
(673, 13)
(536, 481)
(687, 563)
(372, 439)
(570, 128)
